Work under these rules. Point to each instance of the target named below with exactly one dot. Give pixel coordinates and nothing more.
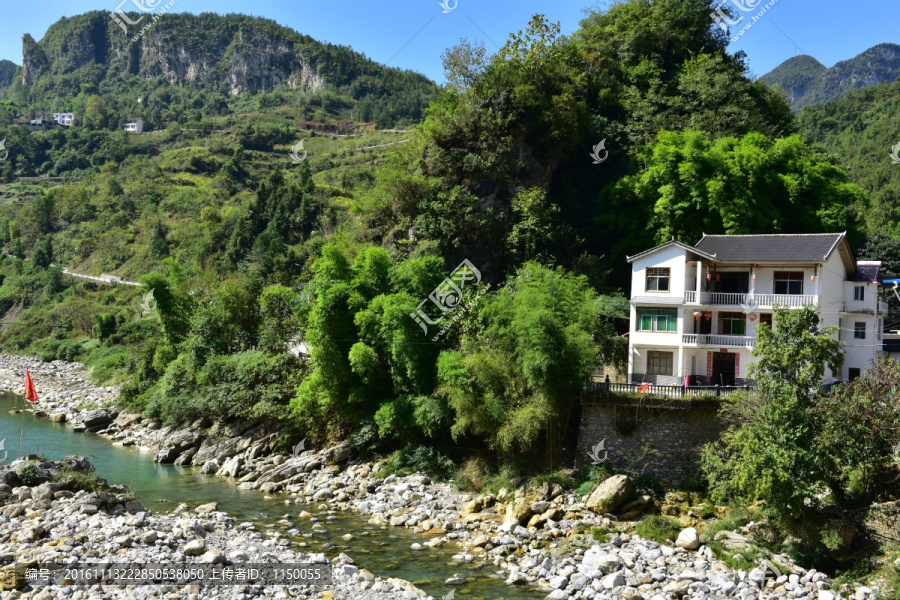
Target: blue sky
(412, 34)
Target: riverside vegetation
(248, 255)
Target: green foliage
(28, 472)
(658, 528)
(693, 186)
(418, 459)
(774, 452)
(518, 375)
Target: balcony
(760, 300)
(859, 308)
(719, 341)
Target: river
(385, 551)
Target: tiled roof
(814, 247)
(677, 300)
(868, 270)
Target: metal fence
(664, 391)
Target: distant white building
(65, 119)
(695, 309)
(134, 125)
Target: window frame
(767, 318)
(786, 277)
(731, 318)
(859, 333)
(653, 314)
(656, 273)
(859, 293)
(660, 360)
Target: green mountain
(7, 73)
(220, 56)
(859, 131)
(807, 81)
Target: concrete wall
(676, 430)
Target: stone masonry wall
(673, 431)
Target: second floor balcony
(719, 341)
(758, 300)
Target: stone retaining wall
(663, 437)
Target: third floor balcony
(758, 300)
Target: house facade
(695, 310)
(66, 119)
(134, 125)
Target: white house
(695, 309)
(66, 119)
(134, 125)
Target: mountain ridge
(807, 81)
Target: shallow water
(384, 551)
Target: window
(788, 283)
(732, 323)
(659, 363)
(859, 330)
(853, 373)
(859, 293)
(657, 319)
(766, 318)
(658, 280)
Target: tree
(280, 309)
(692, 185)
(519, 375)
(95, 113)
(463, 63)
(159, 245)
(772, 452)
(43, 253)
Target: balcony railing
(759, 300)
(721, 341)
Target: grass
(658, 529)
(733, 521)
(79, 480)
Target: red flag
(644, 389)
(30, 393)
(687, 381)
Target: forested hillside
(186, 66)
(806, 81)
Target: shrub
(419, 459)
(659, 529)
(28, 472)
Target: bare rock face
(610, 494)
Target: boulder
(177, 443)
(219, 449)
(194, 547)
(519, 511)
(338, 454)
(478, 504)
(99, 416)
(610, 494)
(231, 467)
(688, 539)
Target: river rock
(205, 509)
(99, 416)
(610, 495)
(231, 467)
(518, 510)
(209, 467)
(194, 547)
(176, 444)
(688, 538)
(338, 454)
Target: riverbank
(542, 537)
(51, 521)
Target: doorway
(723, 368)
